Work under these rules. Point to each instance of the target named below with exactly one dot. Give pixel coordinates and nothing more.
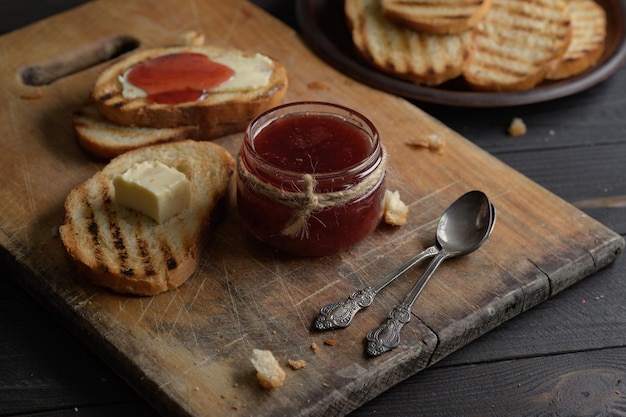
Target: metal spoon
(462, 229)
(340, 314)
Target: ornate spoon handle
(341, 313)
(387, 336)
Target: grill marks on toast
(118, 237)
(515, 42)
(144, 254)
(93, 231)
(104, 229)
(168, 255)
(117, 240)
(119, 248)
(134, 251)
(416, 56)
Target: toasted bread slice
(104, 139)
(515, 43)
(418, 57)
(223, 110)
(440, 17)
(127, 251)
(588, 39)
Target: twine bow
(306, 201)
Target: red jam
(312, 144)
(311, 178)
(178, 78)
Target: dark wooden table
(565, 357)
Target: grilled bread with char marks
(436, 16)
(415, 56)
(516, 42)
(588, 40)
(124, 250)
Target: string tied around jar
(306, 201)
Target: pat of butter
(251, 72)
(154, 189)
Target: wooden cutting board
(187, 351)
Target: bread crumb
(296, 364)
(193, 38)
(432, 141)
(330, 342)
(314, 347)
(269, 373)
(395, 211)
(517, 127)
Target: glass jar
(311, 178)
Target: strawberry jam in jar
(311, 178)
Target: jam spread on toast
(179, 78)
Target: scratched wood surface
(187, 351)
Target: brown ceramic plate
(323, 27)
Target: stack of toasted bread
(494, 45)
(113, 122)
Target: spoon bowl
(466, 224)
